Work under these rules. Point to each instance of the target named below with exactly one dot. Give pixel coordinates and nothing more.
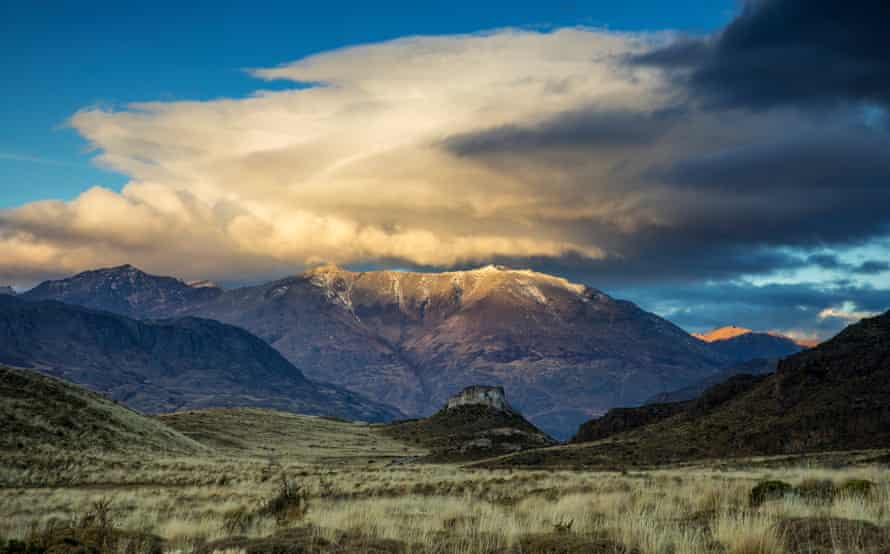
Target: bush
(768, 490)
(816, 489)
(290, 504)
(856, 487)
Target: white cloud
(847, 312)
(348, 170)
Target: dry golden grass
(443, 509)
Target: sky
(696, 157)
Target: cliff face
(478, 395)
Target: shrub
(768, 490)
(816, 489)
(290, 504)
(856, 487)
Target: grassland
(272, 482)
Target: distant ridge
(740, 344)
(128, 291)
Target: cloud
(780, 52)
(546, 149)
(846, 312)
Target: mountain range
(564, 352)
(166, 365)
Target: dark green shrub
(768, 490)
(816, 489)
(856, 487)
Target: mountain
(166, 365)
(43, 414)
(562, 351)
(739, 344)
(759, 366)
(7, 290)
(835, 396)
(476, 423)
(125, 290)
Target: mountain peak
(125, 290)
(722, 333)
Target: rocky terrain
(476, 423)
(166, 365)
(835, 396)
(43, 415)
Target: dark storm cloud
(591, 128)
(789, 52)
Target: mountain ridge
(164, 365)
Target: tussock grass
(447, 509)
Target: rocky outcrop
(479, 395)
(476, 423)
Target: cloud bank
(616, 158)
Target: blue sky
(62, 56)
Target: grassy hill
(42, 414)
(273, 434)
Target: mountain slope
(835, 396)
(44, 414)
(127, 291)
(563, 351)
(158, 366)
(739, 344)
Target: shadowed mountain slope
(835, 396)
(43, 414)
(160, 366)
